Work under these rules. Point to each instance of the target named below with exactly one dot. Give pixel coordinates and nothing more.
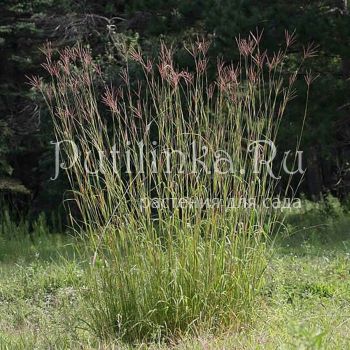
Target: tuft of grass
(174, 270)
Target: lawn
(305, 303)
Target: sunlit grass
(304, 303)
(158, 274)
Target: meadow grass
(305, 302)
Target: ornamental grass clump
(162, 168)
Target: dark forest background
(26, 156)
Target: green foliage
(323, 222)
